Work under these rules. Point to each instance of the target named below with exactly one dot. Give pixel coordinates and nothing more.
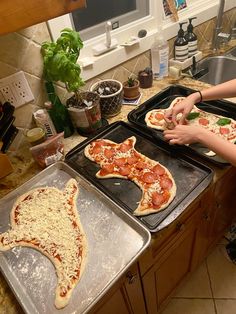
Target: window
(91, 24)
(152, 15)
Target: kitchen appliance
(163, 100)
(191, 177)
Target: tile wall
(21, 51)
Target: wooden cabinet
(19, 14)
(125, 297)
(177, 250)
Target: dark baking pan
(191, 177)
(163, 100)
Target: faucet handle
(233, 32)
(224, 37)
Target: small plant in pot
(131, 88)
(111, 95)
(60, 64)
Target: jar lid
(35, 134)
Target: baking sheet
(190, 176)
(115, 240)
(163, 100)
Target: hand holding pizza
(184, 106)
(185, 134)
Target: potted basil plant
(60, 64)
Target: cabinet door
(204, 236)
(162, 279)
(19, 14)
(225, 203)
(126, 297)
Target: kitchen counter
(25, 168)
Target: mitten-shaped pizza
(221, 126)
(122, 160)
(46, 219)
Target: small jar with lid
(35, 136)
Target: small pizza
(122, 160)
(219, 125)
(47, 220)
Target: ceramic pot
(145, 79)
(111, 96)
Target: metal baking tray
(115, 240)
(163, 100)
(191, 177)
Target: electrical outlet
(15, 89)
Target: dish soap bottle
(181, 45)
(191, 38)
(160, 55)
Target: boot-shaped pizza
(124, 161)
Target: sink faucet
(219, 36)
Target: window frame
(124, 19)
(93, 66)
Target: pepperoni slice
(120, 161)
(159, 170)
(203, 121)
(166, 183)
(157, 199)
(106, 169)
(97, 149)
(125, 147)
(108, 153)
(224, 131)
(159, 116)
(149, 177)
(132, 160)
(141, 165)
(125, 170)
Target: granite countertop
(25, 168)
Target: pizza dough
(47, 220)
(122, 160)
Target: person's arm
(224, 90)
(183, 134)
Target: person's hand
(184, 107)
(184, 134)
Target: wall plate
(15, 89)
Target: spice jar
(35, 136)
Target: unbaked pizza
(122, 160)
(221, 126)
(46, 219)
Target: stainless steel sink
(216, 70)
(232, 53)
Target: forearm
(220, 146)
(224, 90)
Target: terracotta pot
(131, 92)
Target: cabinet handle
(206, 216)
(180, 226)
(131, 278)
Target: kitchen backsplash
(21, 51)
